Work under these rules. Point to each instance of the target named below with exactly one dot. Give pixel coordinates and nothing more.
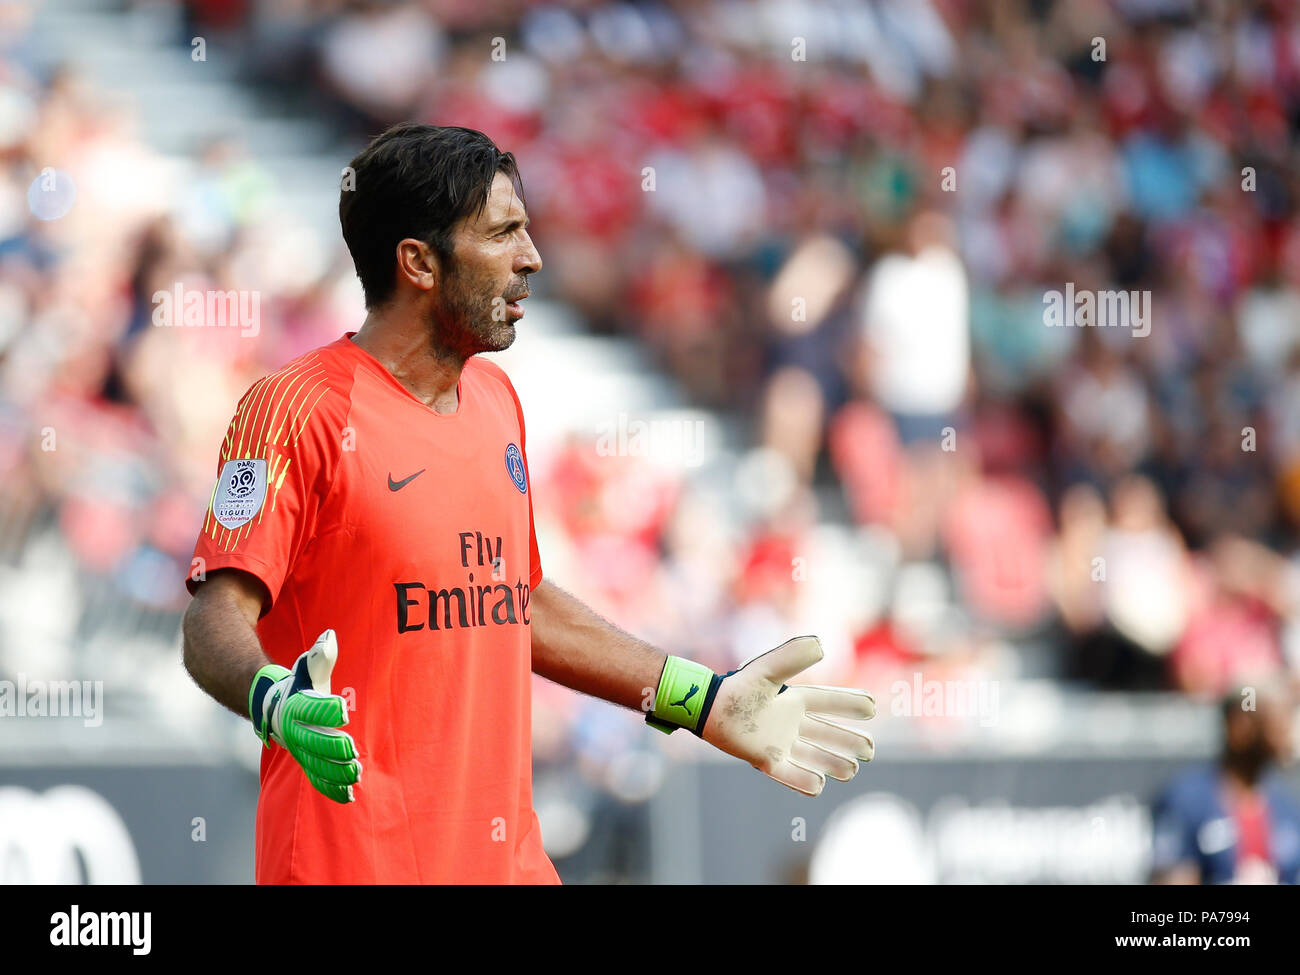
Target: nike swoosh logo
(398, 485)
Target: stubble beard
(462, 324)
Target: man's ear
(418, 263)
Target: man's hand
(296, 710)
(788, 734)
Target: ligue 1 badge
(241, 489)
(515, 468)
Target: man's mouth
(513, 306)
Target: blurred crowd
(835, 223)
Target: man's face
(475, 308)
(1277, 717)
(1263, 736)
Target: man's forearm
(575, 647)
(221, 649)
(793, 734)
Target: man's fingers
(801, 778)
(321, 659)
(840, 702)
(308, 707)
(789, 659)
(325, 742)
(333, 790)
(339, 773)
(824, 760)
(837, 738)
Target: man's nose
(528, 261)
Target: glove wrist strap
(263, 681)
(684, 697)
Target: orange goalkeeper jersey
(410, 533)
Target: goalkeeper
(367, 584)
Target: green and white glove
(295, 709)
(784, 732)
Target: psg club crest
(515, 468)
(241, 489)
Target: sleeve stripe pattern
(272, 414)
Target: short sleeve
(534, 556)
(277, 457)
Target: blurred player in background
(1234, 822)
(375, 491)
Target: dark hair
(415, 181)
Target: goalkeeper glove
(295, 709)
(784, 732)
